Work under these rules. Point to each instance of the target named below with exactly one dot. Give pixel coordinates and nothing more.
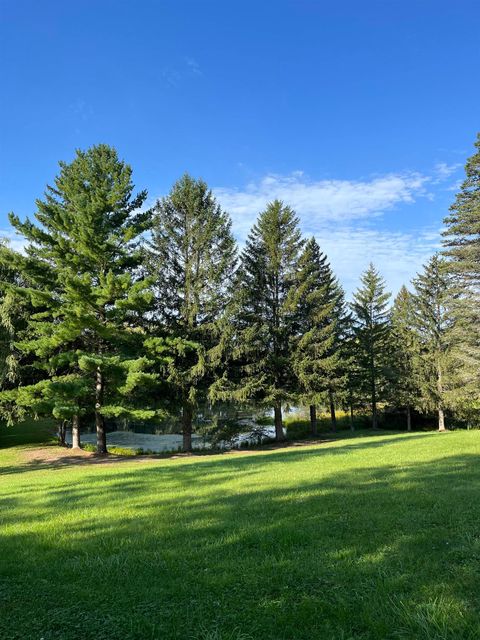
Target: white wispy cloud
(13, 240)
(443, 170)
(318, 202)
(193, 65)
(344, 216)
(398, 256)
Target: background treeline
(116, 314)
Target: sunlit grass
(368, 537)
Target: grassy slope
(371, 537)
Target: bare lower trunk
(352, 426)
(409, 418)
(75, 432)
(313, 419)
(279, 435)
(441, 420)
(99, 421)
(441, 415)
(187, 419)
(374, 417)
(61, 434)
(333, 417)
(374, 395)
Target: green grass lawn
(367, 537)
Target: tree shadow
(295, 451)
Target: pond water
(169, 441)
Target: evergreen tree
(462, 233)
(317, 301)
(80, 272)
(372, 337)
(434, 326)
(192, 260)
(462, 250)
(263, 319)
(405, 351)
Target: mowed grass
(367, 537)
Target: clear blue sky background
(361, 114)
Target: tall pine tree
(462, 250)
(317, 302)
(192, 261)
(81, 273)
(372, 337)
(263, 319)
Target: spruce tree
(434, 326)
(81, 274)
(372, 337)
(263, 320)
(462, 250)
(317, 302)
(462, 233)
(192, 260)
(405, 352)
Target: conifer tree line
(117, 313)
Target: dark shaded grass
(371, 538)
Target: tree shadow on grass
(220, 550)
(212, 461)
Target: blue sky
(359, 114)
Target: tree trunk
(374, 416)
(374, 406)
(75, 432)
(187, 418)
(61, 434)
(441, 415)
(313, 419)
(333, 417)
(374, 392)
(99, 421)
(409, 418)
(279, 435)
(441, 419)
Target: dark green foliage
(318, 303)
(263, 319)
(14, 312)
(192, 260)
(372, 339)
(462, 250)
(462, 233)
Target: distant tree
(316, 301)
(372, 330)
(405, 353)
(263, 319)
(192, 260)
(434, 325)
(81, 274)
